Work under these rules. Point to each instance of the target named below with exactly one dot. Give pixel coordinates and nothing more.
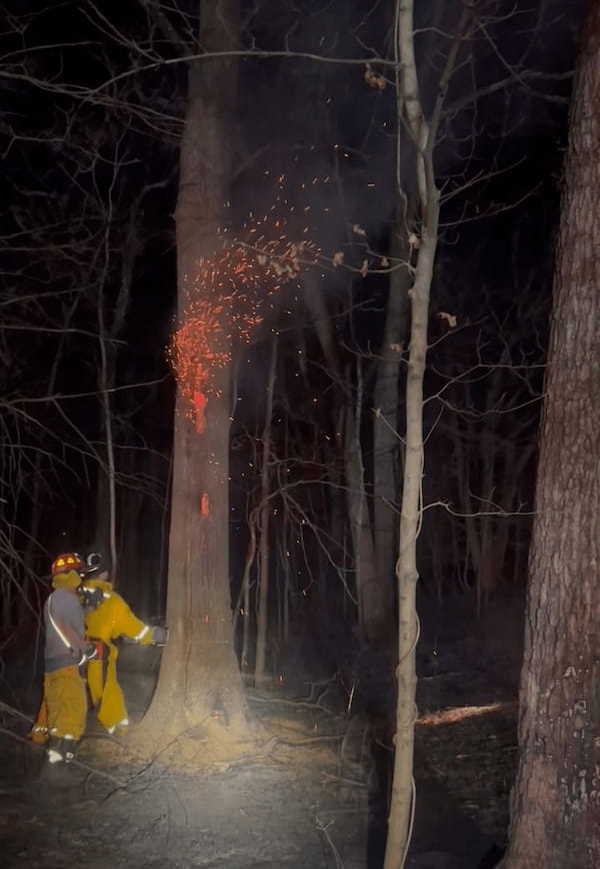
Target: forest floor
(311, 791)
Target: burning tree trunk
(556, 800)
(199, 673)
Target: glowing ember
(200, 402)
(224, 305)
(459, 713)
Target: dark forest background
(92, 114)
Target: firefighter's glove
(160, 636)
(88, 654)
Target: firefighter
(61, 719)
(107, 617)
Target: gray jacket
(65, 630)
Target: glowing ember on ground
(225, 303)
(459, 713)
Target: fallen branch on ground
(301, 703)
(78, 763)
(311, 739)
(347, 781)
(323, 828)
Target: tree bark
(423, 134)
(373, 615)
(199, 675)
(556, 798)
(373, 591)
(406, 568)
(262, 616)
(386, 464)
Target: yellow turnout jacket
(112, 619)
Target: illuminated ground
(299, 804)
(312, 793)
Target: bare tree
(260, 673)
(388, 455)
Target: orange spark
(224, 304)
(200, 402)
(459, 713)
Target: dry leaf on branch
(358, 230)
(338, 258)
(449, 318)
(414, 241)
(397, 348)
(374, 79)
(385, 263)
(364, 269)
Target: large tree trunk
(556, 799)
(199, 674)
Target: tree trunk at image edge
(556, 798)
(199, 673)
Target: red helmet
(65, 563)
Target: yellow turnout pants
(106, 692)
(63, 708)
